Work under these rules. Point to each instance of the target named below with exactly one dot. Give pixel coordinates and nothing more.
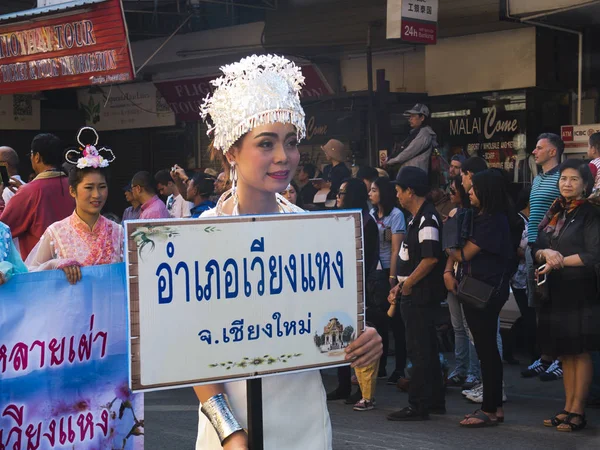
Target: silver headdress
(258, 90)
(88, 155)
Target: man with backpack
(417, 148)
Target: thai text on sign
(242, 296)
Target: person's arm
(449, 278)
(181, 180)
(42, 257)
(468, 252)
(423, 269)
(13, 263)
(421, 142)
(237, 440)
(396, 244)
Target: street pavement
(171, 420)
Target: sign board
(129, 106)
(63, 373)
(242, 297)
(19, 112)
(576, 137)
(87, 46)
(412, 20)
(185, 96)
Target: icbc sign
(576, 137)
(84, 47)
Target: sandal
(573, 426)
(555, 421)
(486, 421)
(498, 418)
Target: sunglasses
(452, 191)
(340, 193)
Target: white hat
(258, 90)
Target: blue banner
(64, 364)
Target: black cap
(412, 178)
(127, 188)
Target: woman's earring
(234, 177)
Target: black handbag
(474, 293)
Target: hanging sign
(19, 112)
(576, 137)
(87, 46)
(137, 105)
(267, 294)
(412, 20)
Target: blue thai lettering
(258, 245)
(199, 286)
(268, 330)
(305, 329)
(237, 330)
(231, 279)
(247, 284)
(275, 275)
(164, 284)
(277, 317)
(290, 327)
(253, 332)
(205, 336)
(261, 282)
(308, 280)
(212, 268)
(226, 338)
(323, 265)
(339, 274)
(292, 273)
(183, 266)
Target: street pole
(371, 110)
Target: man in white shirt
(10, 157)
(176, 205)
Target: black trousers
(483, 324)
(426, 383)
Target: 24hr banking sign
(87, 46)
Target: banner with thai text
(242, 297)
(63, 363)
(57, 51)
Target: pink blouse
(70, 242)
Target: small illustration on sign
(91, 111)
(142, 235)
(257, 361)
(335, 337)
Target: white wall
(481, 62)
(521, 7)
(405, 71)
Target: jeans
(467, 361)
(529, 260)
(426, 389)
(483, 324)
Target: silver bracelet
(218, 411)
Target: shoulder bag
(473, 292)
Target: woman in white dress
(257, 121)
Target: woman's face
(454, 195)
(571, 184)
(290, 194)
(473, 197)
(374, 195)
(267, 158)
(340, 196)
(91, 193)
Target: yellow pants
(367, 379)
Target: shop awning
(36, 12)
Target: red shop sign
(80, 47)
(185, 96)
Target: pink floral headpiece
(88, 155)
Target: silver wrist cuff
(218, 411)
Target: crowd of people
(467, 244)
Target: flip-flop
(486, 421)
(500, 419)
